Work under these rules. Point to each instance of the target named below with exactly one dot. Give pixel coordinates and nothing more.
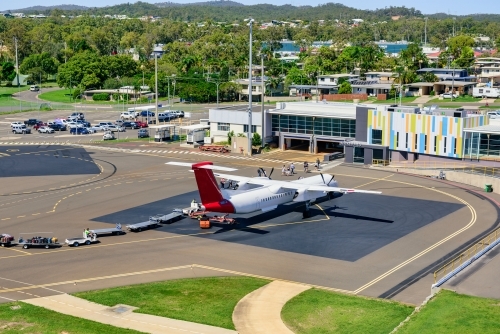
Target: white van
(485, 92)
(34, 88)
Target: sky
(458, 7)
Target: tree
(413, 57)
(8, 71)
(229, 91)
(256, 139)
(345, 88)
(39, 65)
(429, 77)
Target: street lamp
(249, 133)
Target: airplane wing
(339, 190)
(291, 185)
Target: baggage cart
(142, 226)
(6, 240)
(117, 230)
(38, 239)
(168, 218)
(214, 148)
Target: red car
(39, 125)
(142, 124)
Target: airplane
(260, 193)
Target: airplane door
(258, 202)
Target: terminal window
(314, 125)
(223, 126)
(377, 137)
(245, 128)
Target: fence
(438, 165)
(467, 255)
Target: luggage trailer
(168, 218)
(37, 240)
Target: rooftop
(492, 129)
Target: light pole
(156, 88)
(425, 39)
(249, 134)
(217, 84)
(452, 82)
(263, 118)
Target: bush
(116, 97)
(432, 93)
(101, 97)
(256, 140)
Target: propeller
(271, 173)
(333, 176)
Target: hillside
(221, 10)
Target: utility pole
(17, 74)
(263, 119)
(425, 40)
(249, 133)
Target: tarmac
(381, 246)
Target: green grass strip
(21, 318)
(209, 301)
(449, 312)
(320, 312)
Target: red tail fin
(207, 184)
(210, 194)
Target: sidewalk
(122, 316)
(259, 312)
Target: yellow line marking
(35, 214)
(16, 250)
(5, 218)
(21, 216)
(381, 179)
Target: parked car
(34, 88)
(76, 116)
(129, 115)
(39, 125)
(45, 129)
(119, 122)
(57, 126)
(108, 135)
(16, 124)
(105, 124)
(165, 117)
(142, 124)
(130, 125)
(83, 122)
(72, 125)
(99, 127)
(494, 114)
(79, 131)
(178, 113)
(142, 133)
(32, 121)
(116, 128)
(448, 96)
(146, 113)
(21, 129)
(90, 130)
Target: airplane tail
(210, 193)
(207, 184)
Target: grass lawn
(450, 312)
(405, 99)
(316, 312)
(26, 318)
(209, 301)
(465, 98)
(62, 95)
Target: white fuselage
(267, 198)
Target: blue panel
(445, 126)
(433, 124)
(421, 144)
(391, 140)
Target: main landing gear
(306, 213)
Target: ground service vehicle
(75, 242)
(195, 136)
(34, 88)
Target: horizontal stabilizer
(187, 164)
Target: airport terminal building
(367, 132)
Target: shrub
(101, 97)
(432, 93)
